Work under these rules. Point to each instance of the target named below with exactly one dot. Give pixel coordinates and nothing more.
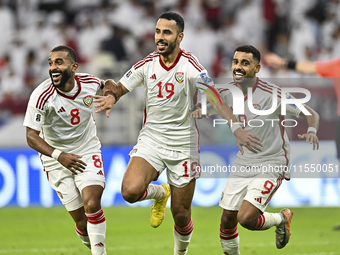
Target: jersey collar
(173, 65)
(75, 95)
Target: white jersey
(170, 94)
(268, 128)
(65, 119)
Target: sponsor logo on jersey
(128, 74)
(179, 77)
(256, 106)
(37, 118)
(88, 100)
(153, 77)
(62, 109)
(205, 77)
(60, 195)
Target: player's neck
(171, 58)
(69, 85)
(244, 87)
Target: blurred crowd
(110, 35)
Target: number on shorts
(193, 168)
(75, 116)
(97, 161)
(268, 185)
(185, 164)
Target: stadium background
(111, 35)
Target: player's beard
(171, 47)
(65, 76)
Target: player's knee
(246, 221)
(130, 195)
(229, 220)
(181, 217)
(92, 205)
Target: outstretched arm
(276, 62)
(313, 125)
(243, 138)
(68, 160)
(110, 95)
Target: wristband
(311, 129)
(102, 84)
(234, 127)
(55, 154)
(291, 64)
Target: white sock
(268, 220)
(230, 241)
(96, 229)
(83, 237)
(153, 191)
(182, 236)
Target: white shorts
(69, 186)
(182, 167)
(257, 189)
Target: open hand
(311, 138)
(104, 103)
(247, 139)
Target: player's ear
(257, 68)
(74, 66)
(180, 37)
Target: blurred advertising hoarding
(314, 177)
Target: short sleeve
(133, 78)
(34, 117)
(292, 109)
(203, 80)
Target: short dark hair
(250, 49)
(176, 17)
(69, 50)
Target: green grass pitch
(51, 231)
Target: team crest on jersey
(179, 77)
(88, 100)
(256, 106)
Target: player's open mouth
(161, 45)
(238, 74)
(56, 76)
